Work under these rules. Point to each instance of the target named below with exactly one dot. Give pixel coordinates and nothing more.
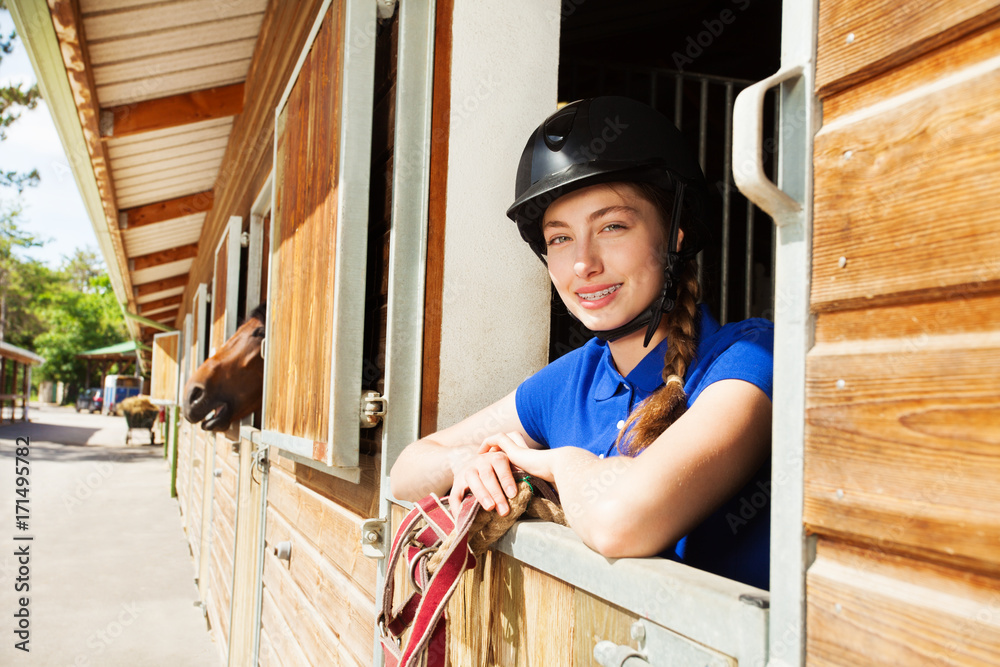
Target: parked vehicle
(117, 388)
(90, 400)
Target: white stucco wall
(495, 320)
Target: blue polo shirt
(581, 400)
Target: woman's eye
(556, 240)
(614, 226)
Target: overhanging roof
(145, 93)
(19, 354)
(117, 351)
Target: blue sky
(53, 210)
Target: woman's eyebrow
(607, 210)
(553, 223)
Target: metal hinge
(373, 407)
(259, 457)
(373, 542)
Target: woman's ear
(680, 239)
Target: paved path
(111, 576)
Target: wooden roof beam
(150, 306)
(161, 285)
(164, 257)
(165, 112)
(167, 317)
(169, 209)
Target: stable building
(350, 162)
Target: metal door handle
(748, 169)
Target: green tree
(11, 237)
(75, 321)
(13, 99)
(82, 269)
(31, 284)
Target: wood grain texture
(436, 211)
(905, 192)
(305, 623)
(902, 445)
(221, 275)
(594, 621)
(249, 153)
(360, 499)
(346, 608)
(175, 254)
(331, 529)
(503, 614)
(153, 306)
(245, 554)
(183, 466)
(938, 64)
(164, 368)
(959, 314)
(174, 110)
(860, 39)
(304, 246)
(169, 209)
(161, 285)
(207, 445)
(281, 637)
(872, 608)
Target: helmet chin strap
(650, 318)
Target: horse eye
(258, 332)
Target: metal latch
(385, 8)
(373, 537)
(609, 654)
(373, 406)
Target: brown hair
(665, 405)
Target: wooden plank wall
(509, 614)
(205, 444)
(249, 154)
(164, 367)
(245, 557)
(319, 607)
(902, 451)
(305, 224)
(222, 545)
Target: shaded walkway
(112, 580)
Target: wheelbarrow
(140, 419)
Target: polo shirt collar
(648, 375)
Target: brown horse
(229, 385)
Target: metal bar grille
(737, 274)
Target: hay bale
(137, 405)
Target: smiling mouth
(594, 296)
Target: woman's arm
(451, 458)
(624, 507)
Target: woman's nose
(587, 260)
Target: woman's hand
(537, 462)
(488, 476)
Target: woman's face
(605, 253)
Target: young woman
(656, 433)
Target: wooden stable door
(903, 383)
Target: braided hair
(665, 405)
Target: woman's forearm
(427, 467)
(603, 504)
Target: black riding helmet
(612, 139)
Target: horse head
(229, 385)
